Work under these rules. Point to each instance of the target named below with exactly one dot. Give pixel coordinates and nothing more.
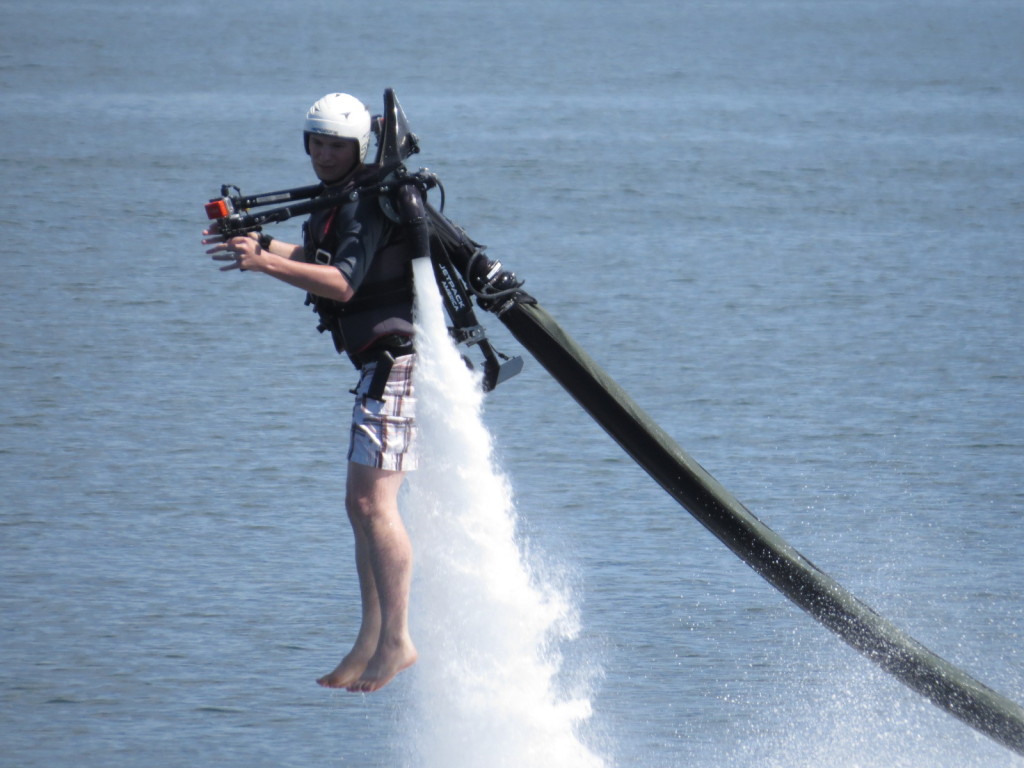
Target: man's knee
(360, 506)
(371, 492)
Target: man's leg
(354, 664)
(384, 561)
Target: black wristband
(264, 240)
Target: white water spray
(485, 690)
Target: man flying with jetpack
(354, 265)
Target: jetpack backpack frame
(461, 268)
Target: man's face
(332, 158)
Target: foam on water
(486, 690)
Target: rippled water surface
(791, 230)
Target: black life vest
(382, 305)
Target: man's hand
(242, 252)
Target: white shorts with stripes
(384, 433)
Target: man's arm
(281, 260)
(287, 250)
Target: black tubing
(755, 543)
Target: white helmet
(340, 115)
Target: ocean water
(791, 230)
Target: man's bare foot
(387, 662)
(346, 673)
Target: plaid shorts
(384, 433)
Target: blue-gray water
(792, 230)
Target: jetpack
(461, 268)
(463, 272)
